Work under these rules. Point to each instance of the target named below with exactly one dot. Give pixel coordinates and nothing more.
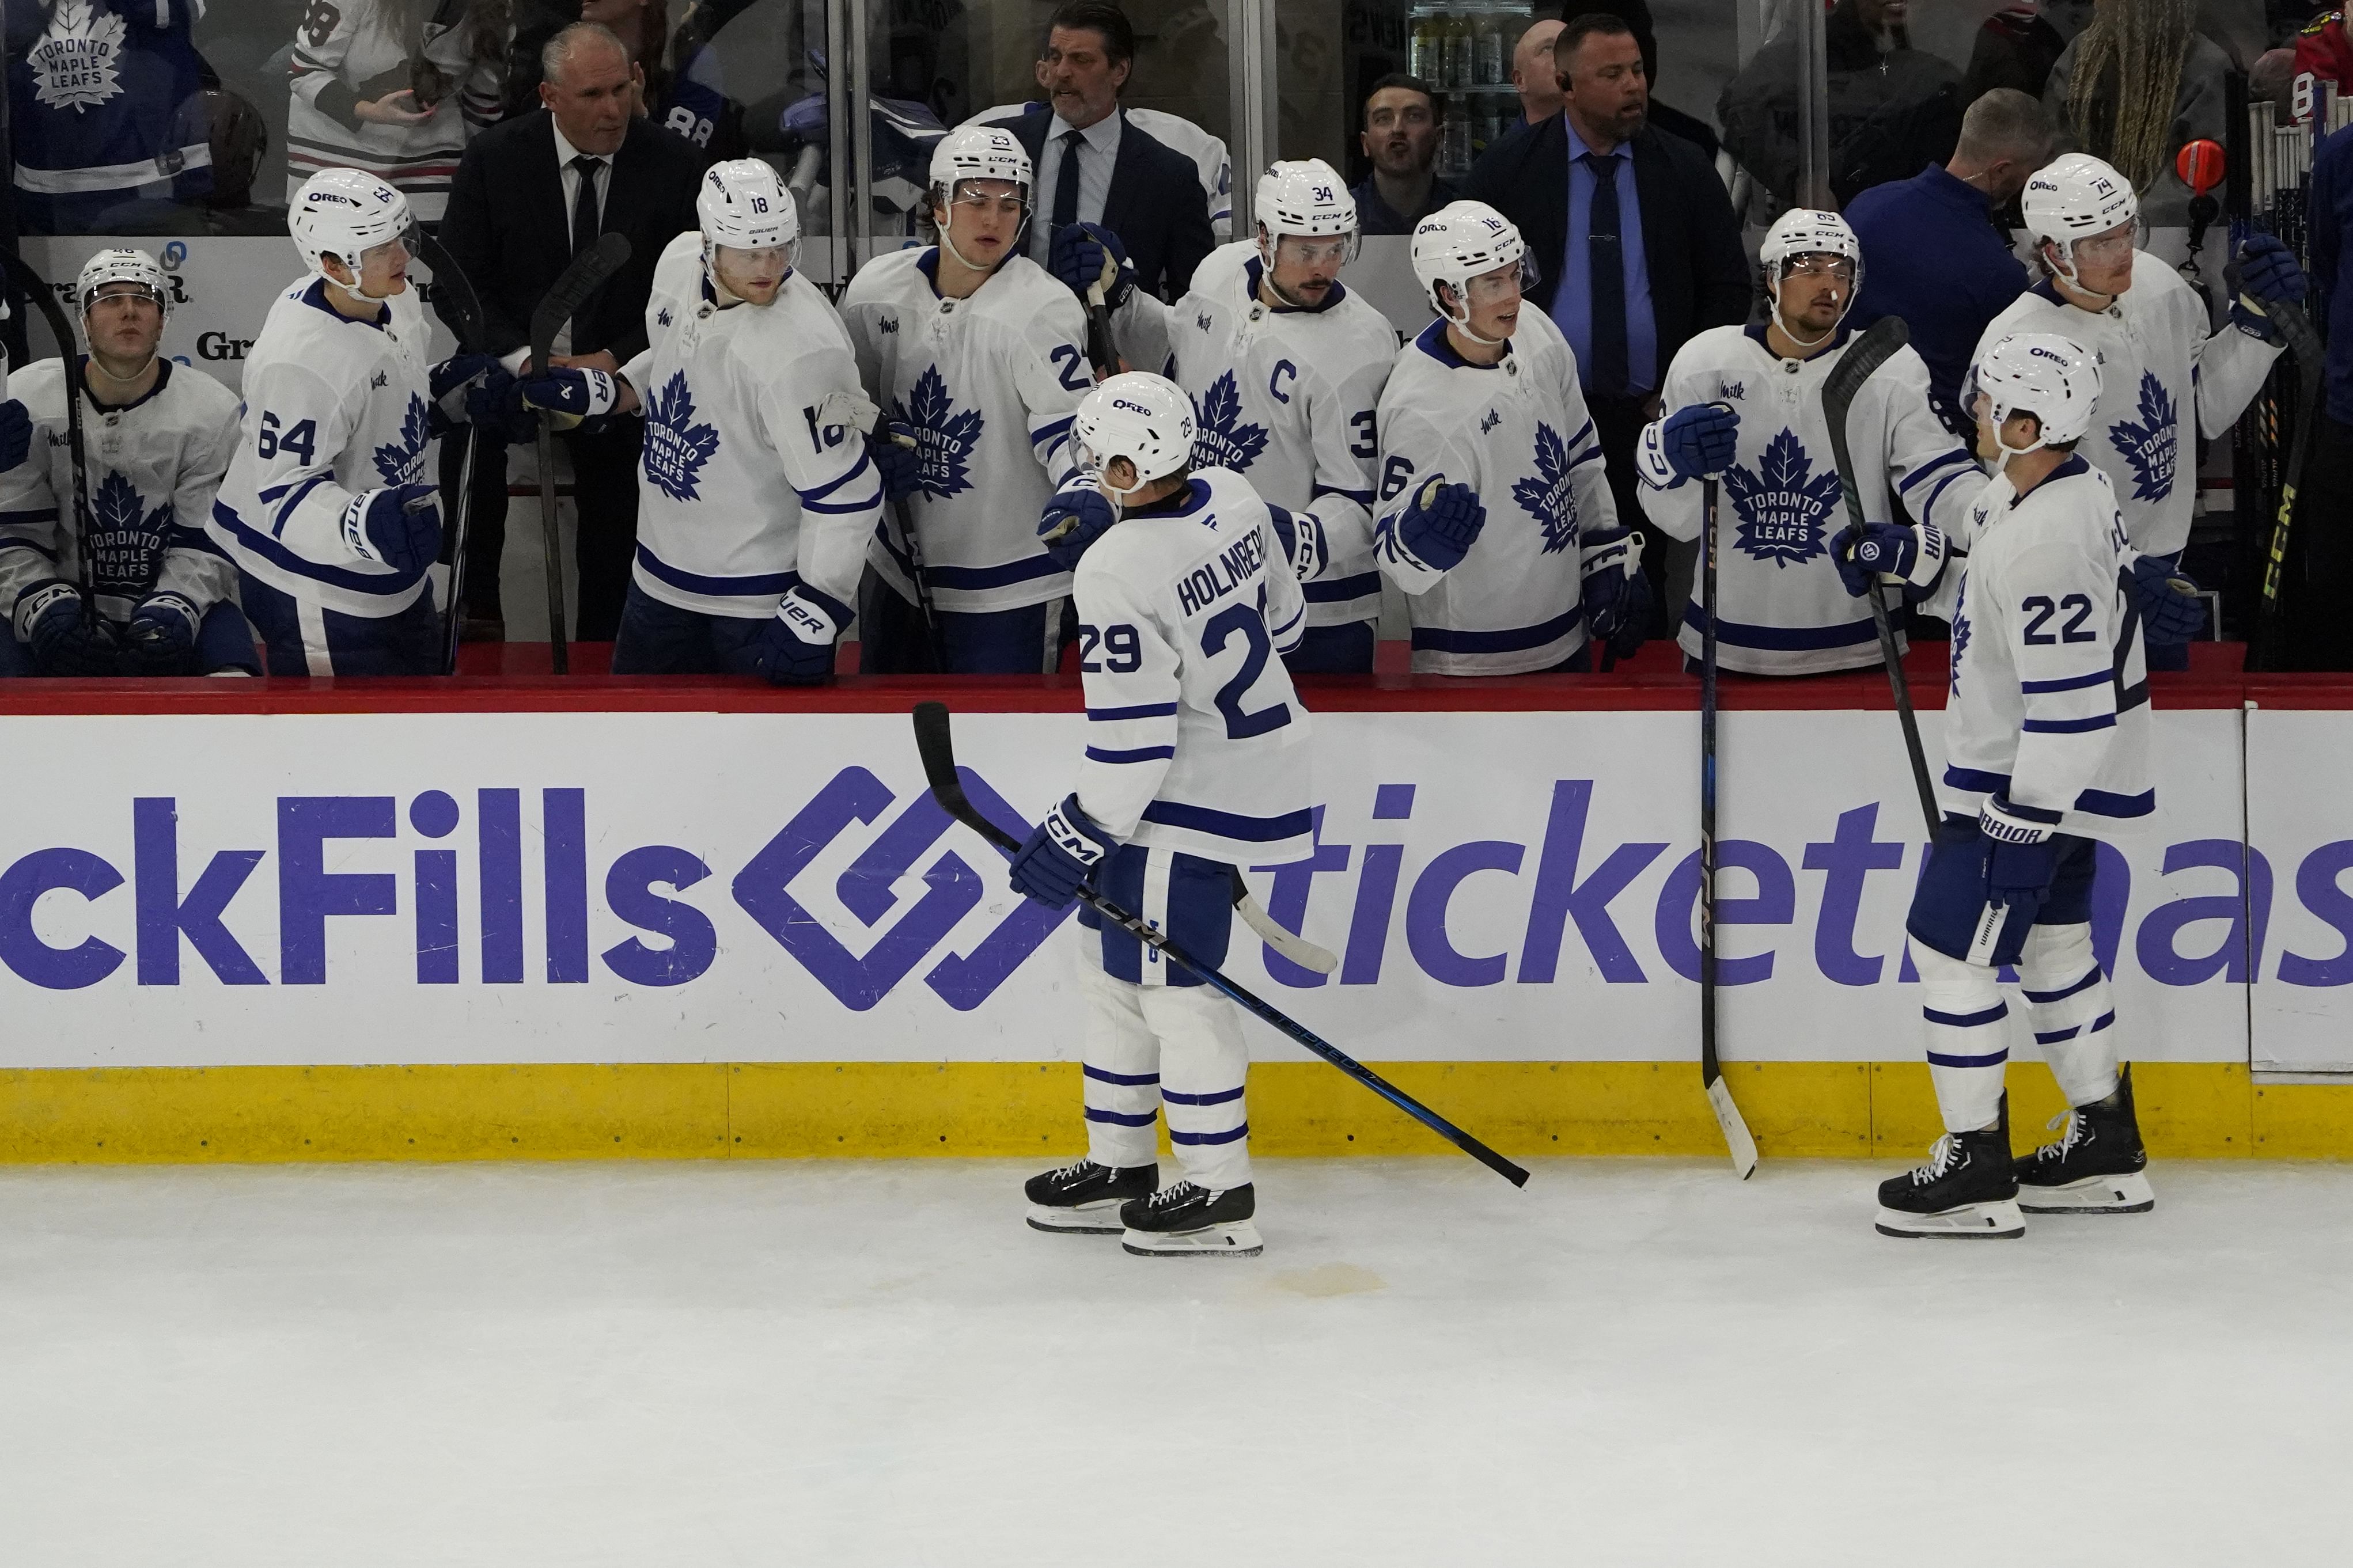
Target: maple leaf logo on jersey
(74, 64)
(124, 537)
(1546, 497)
(945, 437)
(2148, 446)
(401, 461)
(1222, 440)
(676, 446)
(1784, 504)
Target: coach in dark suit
(531, 192)
(1093, 166)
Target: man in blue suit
(1093, 166)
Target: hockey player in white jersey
(1195, 762)
(1285, 374)
(2046, 741)
(980, 355)
(156, 439)
(758, 493)
(1494, 516)
(2170, 378)
(325, 507)
(1745, 403)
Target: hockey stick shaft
(2304, 343)
(571, 291)
(903, 515)
(1737, 1142)
(1101, 349)
(936, 747)
(467, 305)
(44, 299)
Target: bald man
(1534, 75)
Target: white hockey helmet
(978, 152)
(1463, 240)
(2055, 379)
(1803, 231)
(744, 206)
(2073, 197)
(1306, 197)
(345, 213)
(1146, 418)
(133, 266)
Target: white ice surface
(839, 1364)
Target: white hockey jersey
(103, 111)
(2050, 698)
(1780, 607)
(347, 50)
(333, 408)
(2166, 378)
(755, 478)
(1287, 399)
(1196, 739)
(990, 384)
(153, 468)
(1518, 433)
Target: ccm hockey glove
(1061, 856)
(65, 638)
(1441, 523)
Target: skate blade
(1237, 1238)
(1100, 1219)
(2092, 1195)
(1971, 1222)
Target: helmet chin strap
(1012, 246)
(1461, 323)
(2002, 418)
(1791, 333)
(2064, 270)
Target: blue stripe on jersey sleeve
(1228, 825)
(758, 585)
(1141, 711)
(26, 519)
(1140, 754)
(2069, 683)
(809, 498)
(1340, 590)
(2068, 726)
(1047, 432)
(284, 511)
(1362, 498)
(9, 543)
(1935, 464)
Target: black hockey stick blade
(1100, 347)
(934, 744)
(44, 299)
(572, 289)
(451, 283)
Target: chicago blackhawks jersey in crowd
(989, 383)
(2164, 380)
(1196, 739)
(347, 52)
(103, 111)
(1287, 398)
(333, 408)
(1781, 607)
(755, 478)
(2050, 698)
(152, 467)
(1518, 433)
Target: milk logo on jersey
(1222, 439)
(945, 436)
(1547, 496)
(676, 446)
(2148, 444)
(1733, 390)
(126, 537)
(402, 460)
(74, 64)
(1783, 505)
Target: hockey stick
(1100, 349)
(1728, 1119)
(1860, 362)
(2306, 345)
(467, 305)
(583, 278)
(45, 301)
(1297, 948)
(938, 751)
(904, 517)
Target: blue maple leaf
(2149, 445)
(400, 461)
(125, 538)
(945, 437)
(1783, 506)
(676, 446)
(1547, 496)
(1220, 439)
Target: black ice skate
(1188, 1221)
(2095, 1167)
(1965, 1189)
(1084, 1198)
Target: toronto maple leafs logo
(75, 64)
(2148, 445)
(945, 436)
(1547, 496)
(1222, 439)
(1784, 506)
(1960, 633)
(125, 538)
(676, 446)
(402, 460)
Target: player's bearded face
(1814, 292)
(125, 324)
(752, 276)
(1305, 267)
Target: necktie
(1606, 265)
(1066, 183)
(583, 204)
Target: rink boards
(457, 934)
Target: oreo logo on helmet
(316, 196)
(1131, 407)
(2053, 355)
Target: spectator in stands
(1533, 77)
(2134, 87)
(396, 88)
(1402, 119)
(1931, 252)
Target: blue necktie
(1066, 183)
(1606, 265)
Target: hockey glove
(898, 456)
(16, 434)
(567, 395)
(1073, 520)
(1087, 255)
(1616, 594)
(65, 638)
(468, 389)
(2171, 613)
(1302, 538)
(1440, 523)
(161, 635)
(1694, 442)
(1061, 856)
(398, 526)
(797, 647)
(2022, 858)
(2263, 274)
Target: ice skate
(1084, 1198)
(1187, 1220)
(2095, 1167)
(1966, 1190)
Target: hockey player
(1285, 372)
(2170, 378)
(759, 495)
(1195, 762)
(325, 509)
(1745, 403)
(1482, 412)
(2046, 736)
(976, 349)
(156, 438)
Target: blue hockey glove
(2171, 613)
(1061, 856)
(2022, 858)
(567, 395)
(161, 635)
(1302, 538)
(1440, 523)
(16, 434)
(796, 648)
(1085, 255)
(398, 526)
(65, 638)
(1882, 547)
(2264, 273)
(468, 389)
(1699, 440)
(1073, 520)
(897, 457)
(1616, 594)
